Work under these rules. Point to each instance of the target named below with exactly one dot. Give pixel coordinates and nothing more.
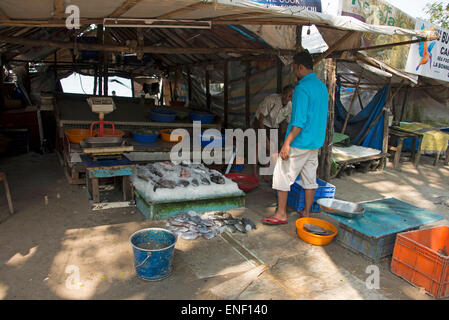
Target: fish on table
(164, 183)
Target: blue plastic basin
(161, 115)
(204, 117)
(145, 138)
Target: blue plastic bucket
(153, 250)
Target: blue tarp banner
(358, 124)
(311, 5)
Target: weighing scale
(103, 157)
(101, 147)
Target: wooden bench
(343, 164)
(401, 135)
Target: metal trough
(342, 208)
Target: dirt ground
(44, 241)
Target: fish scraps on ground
(191, 225)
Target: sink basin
(342, 208)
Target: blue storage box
(374, 234)
(161, 115)
(296, 195)
(203, 117)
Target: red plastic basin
(245, 182)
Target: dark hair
(304, 58)
(287, 87)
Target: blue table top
(90, 163)
(388, 216)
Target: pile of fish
(312, 228)
(169, 175)
(191, 225)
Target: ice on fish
(165, 181)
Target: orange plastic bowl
(167, 136)
(107, 132)
(314, 238)
(77, 135)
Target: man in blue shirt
(305, 136)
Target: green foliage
(438, 13)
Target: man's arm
(298, 119)
(286, 146)
(261, 118)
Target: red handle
(101, 123)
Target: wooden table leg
(418, 152)
(88, 184)
(8, 195)
(125, 187)
(95, 190)
(414, 149)
(437, 157)
(131, 188)
(397, 155)
(446, 160)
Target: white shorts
(299, 161)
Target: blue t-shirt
(309, 112)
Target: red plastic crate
(417, 260)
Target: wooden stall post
(390, 97)
(225, 94)
(326, 150)
(95, 80)
(100, 60)
(403, 104)
(247, 94)
(189, 85)
(106, 57)
(55, 64)
(356, 90)
(106, 74)
(208, 90)
(2, 75)
(279, 75)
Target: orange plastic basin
(77, 135)
(314, 238)
(167, 136)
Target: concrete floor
(44, 241)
